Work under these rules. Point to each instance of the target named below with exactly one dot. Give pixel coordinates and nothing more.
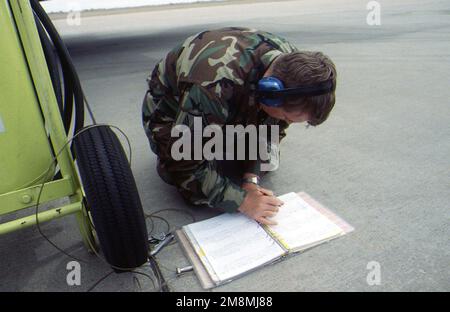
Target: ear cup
(270, 84)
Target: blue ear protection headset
(271, 91)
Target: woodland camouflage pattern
(209, 75)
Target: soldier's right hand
(260, 205)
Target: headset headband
(308, 90)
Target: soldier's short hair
(305, 68)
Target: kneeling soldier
(233, 76)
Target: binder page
(233, 244)
(300, 226)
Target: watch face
(253, 180)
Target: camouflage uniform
(209, 75)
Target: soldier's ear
(275, 112)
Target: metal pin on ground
(184, 270)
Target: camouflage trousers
(158, 121)
(157, 125)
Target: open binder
(228, 246)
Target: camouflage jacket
(211, 74)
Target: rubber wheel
(112, 198)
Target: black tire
(112, 198)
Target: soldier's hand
(260, 205)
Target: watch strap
(254, 180)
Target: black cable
(53, 68)
(43, 184)
(99, 281)
(155, 269)
(73, 94)
(52, 63)
(152, 215)
(163, 286)
(162, 219)
(66, 62)
(91, 114)
(45, 236)
(146, 275)
(153, 224)
(54, 60)
(52, 57)
(138, 283)
(177, 210)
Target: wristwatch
(254, 180)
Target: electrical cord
(163, 285)
(99, 281)
(73, 95)
(160, 218)
(138, 283)
(153, 215)
(161, 282)
(146, 275)
(66, 62)
(52, 63)
(41, 188)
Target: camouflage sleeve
(254, 166)
(199, 180)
